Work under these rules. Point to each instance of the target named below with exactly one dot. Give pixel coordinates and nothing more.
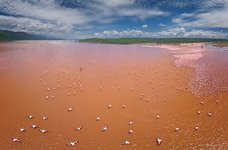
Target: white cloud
(115, 3)
(51, 14)
(114, 33)
(37, 27)
(206, 18)
(44, 10)
(187, 15)
(144, 26)
(217, 19)
(161, 25)
(141, 13)
(170, 33)
(177, 20)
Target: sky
(78, 19)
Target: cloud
(44, 10)
(206, 18)
(161, 25)
(170, 33)
(50, 14)
(140, 13)
(38, 27)
(144, 26)
(115, 3)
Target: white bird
(196, 128)
(43, 131)
(109, 106)
(158, 140)
(130, 123)
(47, 97)
(70, 109)
(105, 128)
(45, 118)
(34, 126)
(199, 112)
(130, 131)
(79, 128)
(125, 142)
(17, 140)
(209, 114)
(157, 116)
(123, 106)
(177, 129)
(98, 119)
(72, 143)
(30, 116)
(22, 129)
(202, 103)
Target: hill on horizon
(6, 35)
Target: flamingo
(130, 131)
(109, 106)
(98, 119)
(34, 126)
(22, 129)
(158, 140)
(30, 116)
(79, 128)
(125, 142)
(105, 128)
(43, 131)
(72, 143)
(16, 140)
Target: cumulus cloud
(56, 18)
(43, 15)
(144, 26)
(173, 32)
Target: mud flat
(105, 96)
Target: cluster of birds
(158, 140)
(74, 142)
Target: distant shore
(216, 42)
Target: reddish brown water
(46, 78)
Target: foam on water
(210, 66)
(185, 54)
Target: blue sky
(76, 19)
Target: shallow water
(209, 63)
(46, 78)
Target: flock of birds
(74, 142)
(158, 140)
